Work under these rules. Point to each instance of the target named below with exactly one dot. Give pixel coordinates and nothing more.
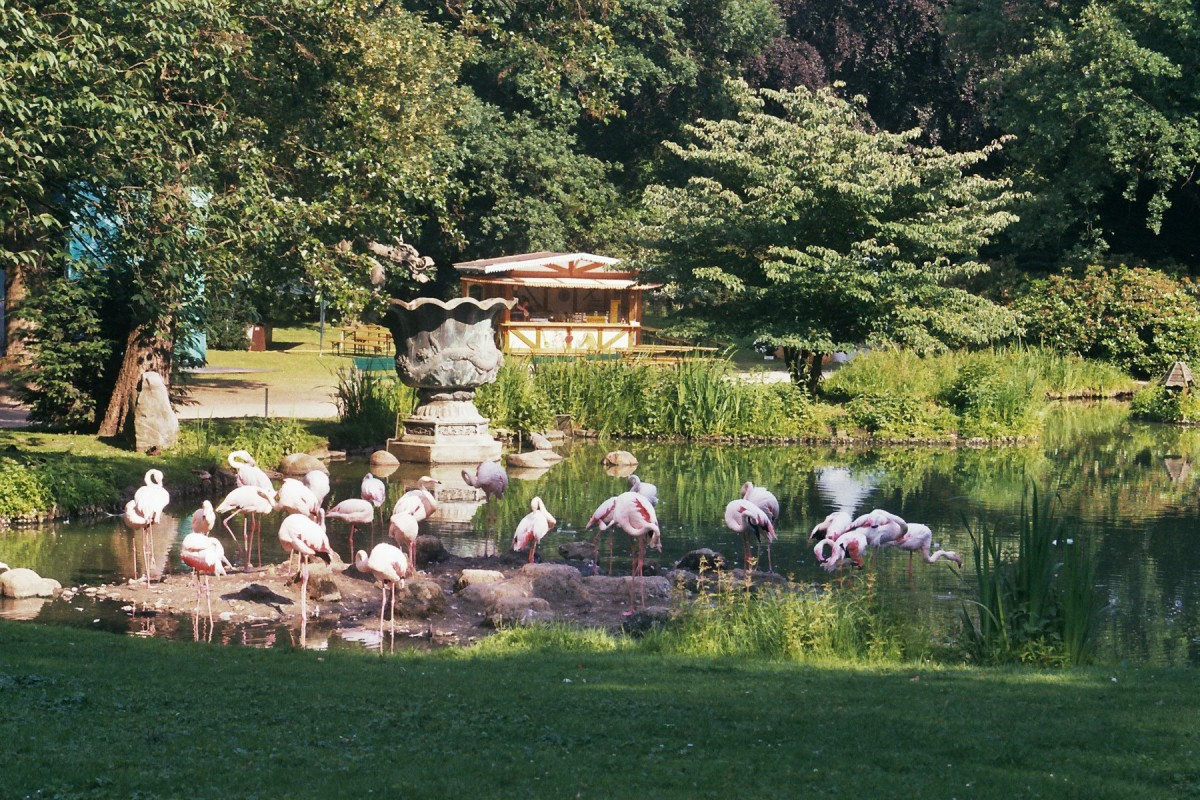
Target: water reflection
(1128, 488)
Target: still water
(1126, 488)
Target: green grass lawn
(95, 715)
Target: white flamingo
(251, 502)
(919, 539)
(633, 513)
(491, 478)
(318, 481)
(388, 565)
(646, 490)
(420, 502)
(203, 518)
(403, 528)
(832, 526)
(150, 500)
(762, 498)
(744, 517)
(353, 511)
(296, 498)
(248, 471)
(374, 491)
(205, 555)
(533, 527)
(849, 546)
(301, 535)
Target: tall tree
(803, 226)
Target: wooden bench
(363, 340)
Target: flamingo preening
(602, 520)
(251, 502)
(374, 491)
(881, 527)
(849, 546)
(248, 471)
(762, 498)
(634, 514)
(919, 539)
(139, 523)
(403, 528)
(832, 526)
(646, 490)
(205, 555)
(203, 518)
(533, 527)
(388, 564)
(296, 498)
(317, 481)
(149, 502)
(744, 517)
(301, 535)
(419, 502)
(491, 478)
(354, 511)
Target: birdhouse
(1179, 376)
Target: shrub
(995, 395)
(267, 439)
(368, 404)
(1160, 404)
(1137, 318)
(23, 490)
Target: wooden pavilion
(579, 303)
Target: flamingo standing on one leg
(419, 502)
(403, 528)
(634, 514)
(353, 511)
(205, 555)
(299, 534)
(203, 518)
(296, 498)
(151, 500)
(533, 527)
(602, 520)
(388, 564)
(251, 502)
(646, 490)
(491, 478)
(374, 491)
(919, 539)
(762, 498)
(744, 517)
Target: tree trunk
(143, 353)
(814, 374)
(794, 359)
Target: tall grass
(268, 439)
(368, 404)
(1037, 605)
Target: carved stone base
(444, 442)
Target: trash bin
(257, 334)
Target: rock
(155, 425)
(687, 579)
(301, 464)
(382, 458)
(509, 610)
(527, 474)
(577, 551)
(532, 460)
(487, 594)
(21, 582)
(420, 599)
(430, 549)
(620, 458)
(539, 441)
(550, 456)
(553, 582)
(323, 589)
(472, 577)
(642, 622)
(708, 559)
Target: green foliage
(23, 490)
(515, 400)
(994, 395)
(1036, 606)
(1139, 319)
(268, 439)
(368, 405)
(1157, 403)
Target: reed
(368, 404)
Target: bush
(1160, 404)
(368, 404)
(267, 439)
(1137, 318)
(995, 395)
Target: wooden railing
(361, 340)
(568, 338)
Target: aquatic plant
(368, 404)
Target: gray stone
(577, 551)
(155, 425)
(709, 559)
(510, 610)
(539, 441)
(532, 460)
(301, 464)
(620, 458)
(420, 598)
(554, 582)
(471, 577)
(382, 458)
(487, 594)
(430, 549)
(647, 619)
(21, 582)
(550, 456)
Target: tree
(802, 226)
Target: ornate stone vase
(445, 350)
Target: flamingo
(353, 511)
(419, 502)
(374, 491)
(744, 517)
(203, 518)
(403, 528)
(251, 502)
(301, 535)
(205, 555)
(151, 500)
(318, 481)
(881, 527)
(832, 526)
(248, 471)
(296, 498)
(830, 554)
(762, 498)
(533, 527)
(918, 539)
(634, 514)
(647, 490)
(138, 522)
(602, 520)
(491, 478)
(388, 564)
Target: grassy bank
(95, 715)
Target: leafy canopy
(802, 225)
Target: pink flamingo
(139, 523)
(251, 502)
(762, 498)
(374, 491)
(830, 554)
(533, 527)
(403, 528)
(203, 518)
(419, 502)
(296, 498)
(205, 555)
(318, 482)
(353, 511)
(491, 478)
(602, 520)
(248, 471)
(634, 514)
(919, 539)
(301, 535)
(742, 516)
(151, 500)
(646, 490)
(388, 564)
(881, 527)
(832, 526)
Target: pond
(1127, 489)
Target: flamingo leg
(532, 550)
(208, 596)
(258, 535)
(382, 603)
(246, 544)
(393, 619)
(641, 566)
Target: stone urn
(445, 350)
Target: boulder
(301, 464)
(539, 441)
(472, 577)
(577, 551)
(532, 460)
(509, 610)
(709, 559)
(21, 582)
(430, 549)
(527, 474)
(647, 619)
(550, 456)
(620, 458)
(420, 598)
(487, 594)
(553, 582)
(155, 425)
(382, 458)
